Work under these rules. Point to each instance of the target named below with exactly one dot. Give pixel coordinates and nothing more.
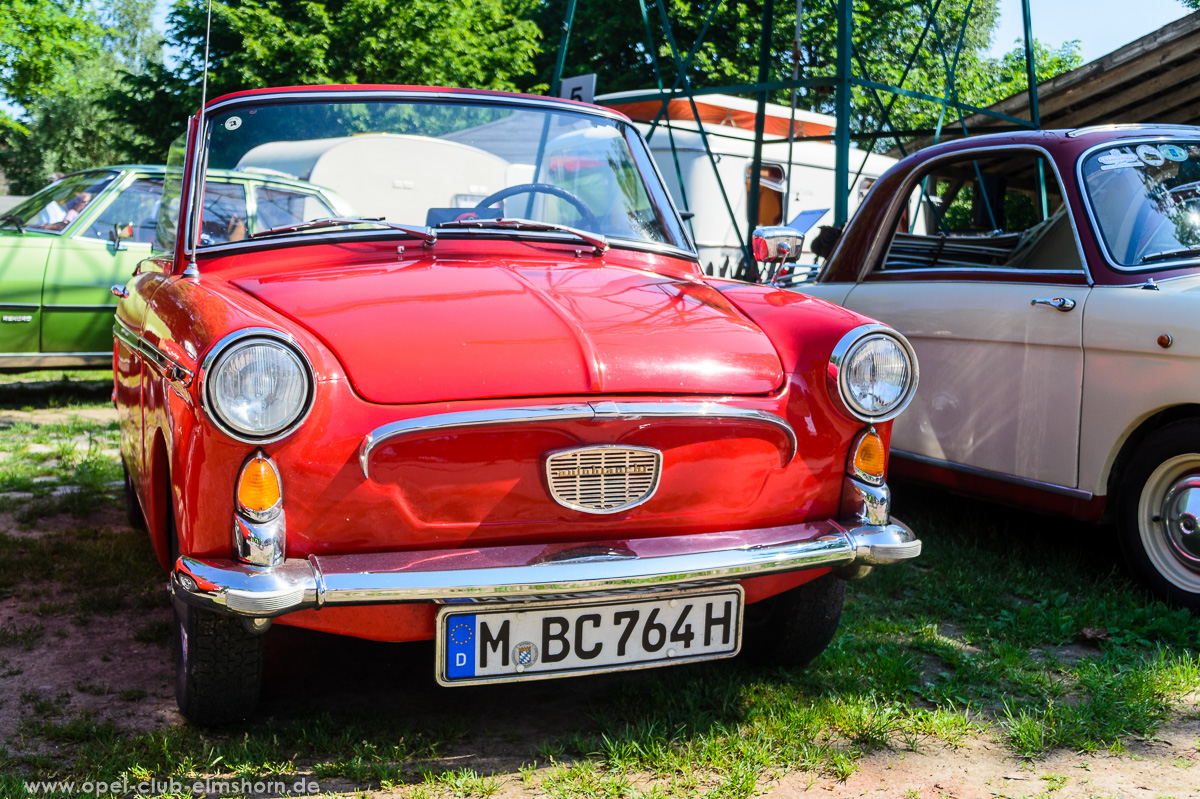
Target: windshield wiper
(598, 242)
(1165, 255)
(12, 220)
(426, 234)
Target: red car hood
(442, 331)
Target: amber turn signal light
(869, 460)
(258, 491)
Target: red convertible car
(501, 409)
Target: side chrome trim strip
(584, 411)
(172, 369)
(1011, 479)
(58, 360)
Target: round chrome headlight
(258, 388)
(872, 373)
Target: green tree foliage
(39, 43)
(66, 124)
(255, 43)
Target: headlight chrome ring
(241, 341)
(838, 372)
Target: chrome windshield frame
(199, 160)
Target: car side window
(989, 211)
(134, 213)
(277, 207)
(224, 213)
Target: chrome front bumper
(535, 572)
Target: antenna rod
(191, 270)
(204, 79)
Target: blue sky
(1100, 25)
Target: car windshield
(436, 163)
(1146, 201)
(55, 207)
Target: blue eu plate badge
(460, 647)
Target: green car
(63, 250)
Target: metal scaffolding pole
(843, 82)
(841, 137)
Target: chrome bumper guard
(534, 572)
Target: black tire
(218, 667)
(133, 509)
(1159, 553)
(218, 662)
(792, 628)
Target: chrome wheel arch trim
(583, 411)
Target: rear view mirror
(118, 234)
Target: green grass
(981, 637)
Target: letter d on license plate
(536, 640)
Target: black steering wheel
(590, 222)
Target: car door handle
(1063, 304)
(119, 291)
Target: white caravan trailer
(729, 125)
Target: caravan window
(770, 194)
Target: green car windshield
(424, 163)
(1145, 199)
(55, 207)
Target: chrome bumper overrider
(533, 572)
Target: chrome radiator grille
(603, 479)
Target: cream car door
(995, 316)
(1001, 379)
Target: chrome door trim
(172, 369)
(584, 411)
(1011, 479)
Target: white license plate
(538, 640)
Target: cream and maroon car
(1050, 284)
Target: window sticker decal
(1150, 155)
(233, 123)
(1173, 152)
(1115, 159)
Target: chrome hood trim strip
(585, 411)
